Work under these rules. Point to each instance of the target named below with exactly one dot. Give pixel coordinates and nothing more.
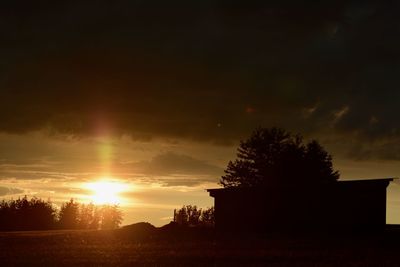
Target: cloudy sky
(157, 94)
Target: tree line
(37, 214)
(190, 215)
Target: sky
(157, 94)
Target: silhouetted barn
(355, 204)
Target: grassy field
(119, 248)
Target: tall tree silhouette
(69, 215)
(272, 156)
(88, 216)
(111, 217)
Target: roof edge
(212, 191)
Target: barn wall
(360, 204)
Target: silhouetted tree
(69, 215)
(111, 217)
(42, 214)
(36, 214)
(5, 215)
(88, 217)
(190, 215)
(207, 217)
(193, 214)
(273, 156)
(80, 216)
(25, 214)
(96, 217)
(180, 216)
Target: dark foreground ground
(145, 246)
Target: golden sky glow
(148, 179)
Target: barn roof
(345, 183)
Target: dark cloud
(383, 149)
(206, 71)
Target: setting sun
(106, 192)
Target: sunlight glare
(106, 192)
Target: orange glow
(106, 192)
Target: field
(122, 248)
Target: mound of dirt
(142, 231)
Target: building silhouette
(346, 204)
